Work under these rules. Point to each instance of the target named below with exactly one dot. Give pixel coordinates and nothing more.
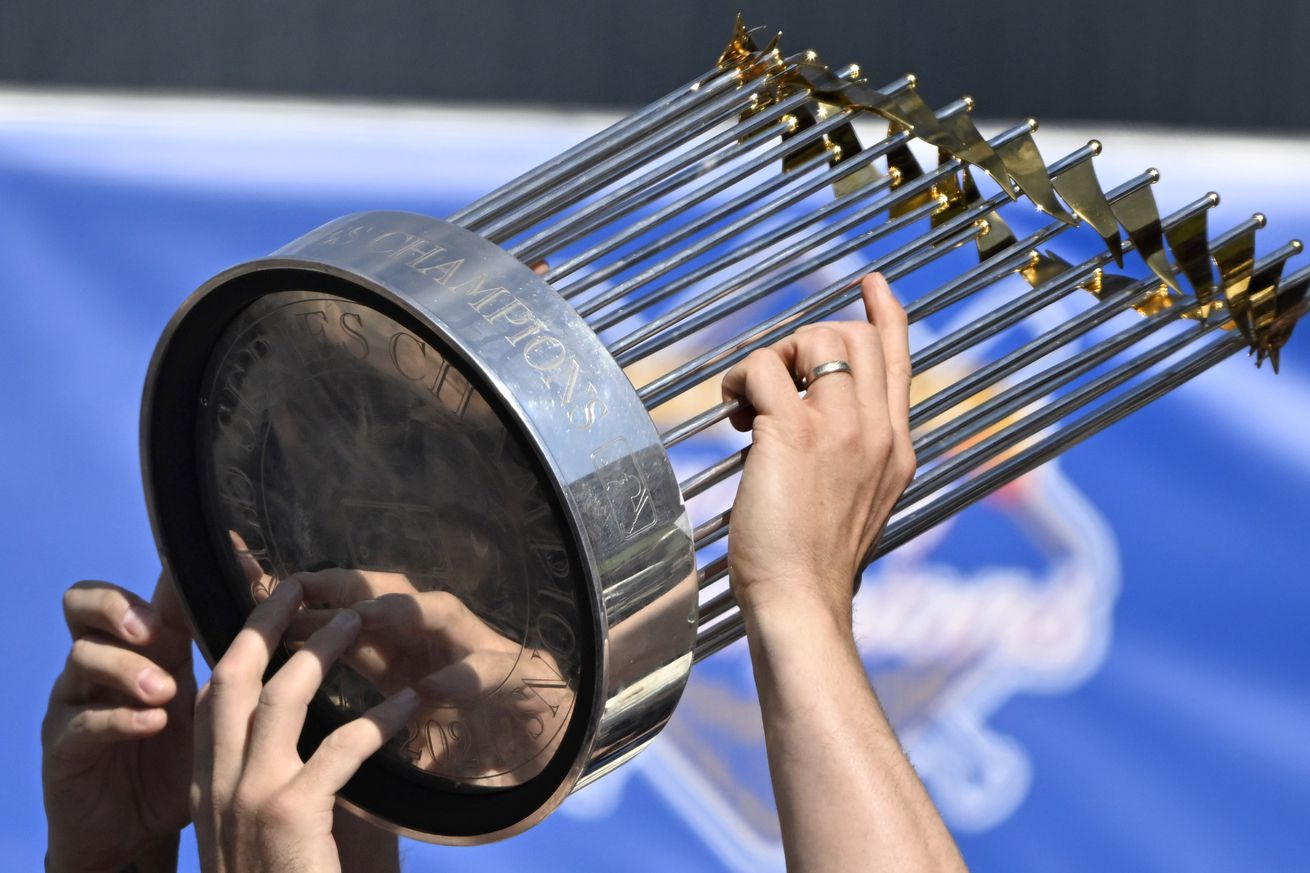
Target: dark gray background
(1204, 62)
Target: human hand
(824, 470)
(256, 805)
(489, 712)
(116, 739)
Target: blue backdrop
(1103, 667)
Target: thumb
(174, 643)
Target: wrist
(788, 615)
(778, 600)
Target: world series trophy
(446, 425)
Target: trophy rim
(602, 732)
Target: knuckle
(342, 741)
(861, 331)
(904, 464)
(824, 333)
(441, 611)
(443, 601)
(246, 802)
(117, 607)
(282, 807)
(879, 444)
(844, 432)
(271, 696)
(759, 359)
(899, 367)
(228, 672)
(80, 723)
(79, 656)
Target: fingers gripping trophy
(443, 428)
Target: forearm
(847, 797)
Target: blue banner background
(1142, 704)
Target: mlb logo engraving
(626, 491)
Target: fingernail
(286, 589)
(343, 619)
(151, 681)
(136, 622)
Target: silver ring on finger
(825, 369)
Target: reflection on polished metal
(405, 416)
(424, 506)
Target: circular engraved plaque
(413, 425)
(340, 449)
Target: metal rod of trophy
(929, 446)
(976, 455)
(942, 475)
(697, 222)
(656, 335)
(1029, 391)
(1062, 370)
(967, 337)
(814, 308)
(734, 230)
(591, 179)
(731, 628)
(713, 474)
(1011, 362)
(682, 168)
(594, 176)
(1039, 453)
(834, 173)
(937, 243)
(1014, 311)
(694, 314)
(617, 136)
(1047, 292)
(648, 339)
(601, 145)
(777, 153)
(898, 264)
(1014, 258)
(712, 530)
(932, 445)
(753, 246)
(907, 526)
(571, 231)
(968, 387)
(621, 348)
